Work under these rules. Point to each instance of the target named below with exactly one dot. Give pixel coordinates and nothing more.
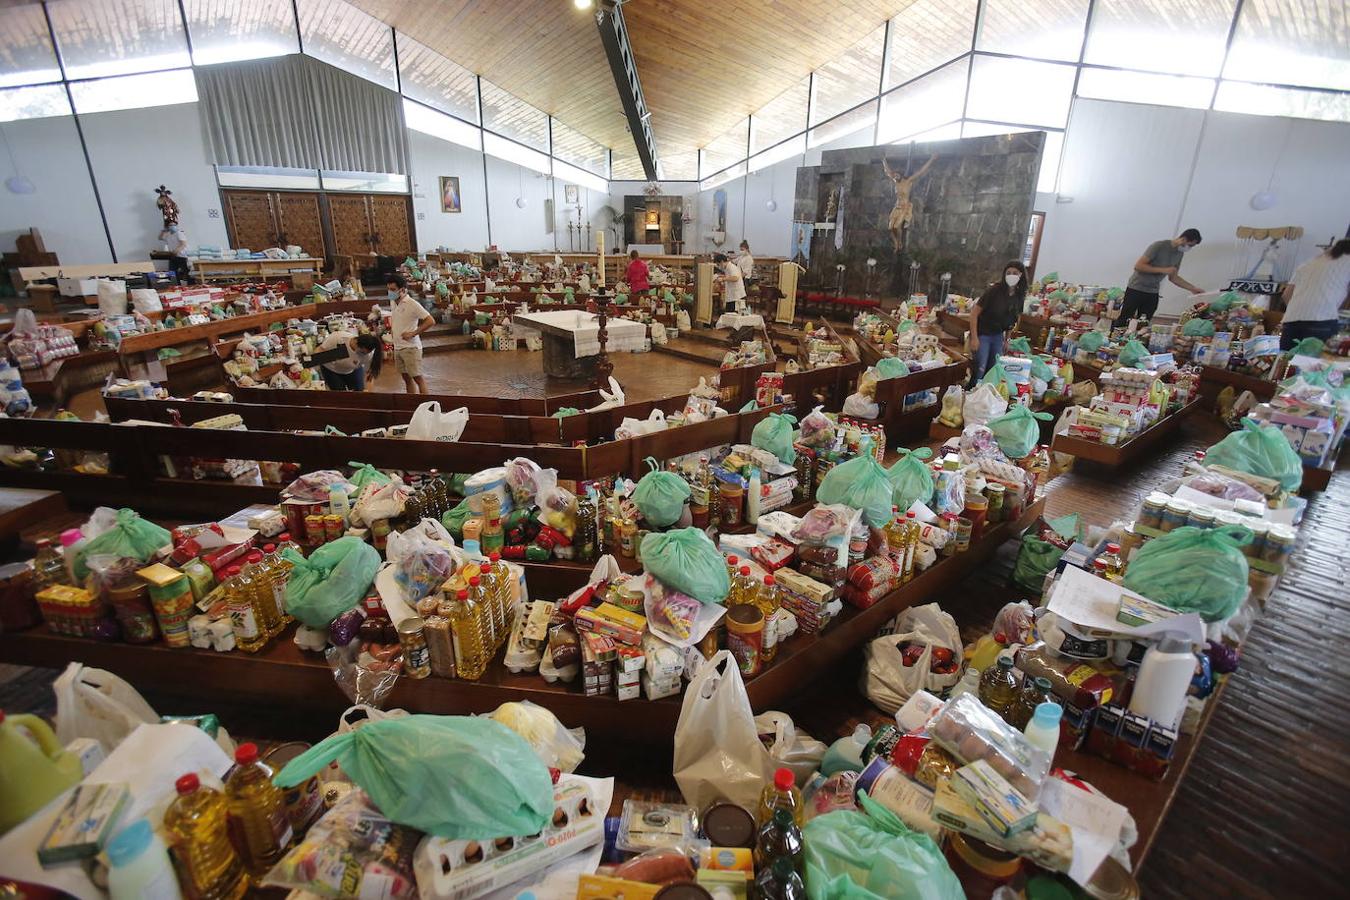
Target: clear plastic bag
(366, 681)
(422, 557)
(558, 747)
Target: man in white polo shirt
(407, 321)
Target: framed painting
(450, 194)
(571, 194)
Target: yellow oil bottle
(197, 823)
(257, 811)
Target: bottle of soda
(779, 881)
(779, 839)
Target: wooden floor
(1262, 811)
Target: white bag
(718, 755)
(430, 424)
(610, 398)
(788, 747)
(887, 681)
(93, 703)
(682, 320)
(861, 406)
(631, 427)
(378, 502)
(146, 300)
(982, 404)
(112, 297)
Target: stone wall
(971, 212)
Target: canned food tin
(416, 654)
(333, 527)
(314, 531)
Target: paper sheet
(1094, 820)
(1092, 602)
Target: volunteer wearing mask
(746, 263)
(1315, 296)
(638, 276)
(733, 284)
(362, 362)
(1160, 258)
(407, 322)
(993, 315)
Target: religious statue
(903, 213)
(168, 208)
(831, 205)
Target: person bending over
(364, 357)
(408, 320)
(993, 316)
(1160, 258)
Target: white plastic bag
(25, 321)
(631, 427)
(93, 703)
(384, 501)
(610, 398)
(718, 755)
(145, 300)
(861, 406)
(112, 297)
(887, 681)
(788, 747)
(682, 320)
(430, 424)
(422, 557)
(982, 404)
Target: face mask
(1183, 248)
(393, 295)
(1011, 280)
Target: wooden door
(299, 222)
(389, 217)
(350, 217)
(249, 216)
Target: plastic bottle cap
(783, 779)
(475, 581)
(732, 560)
(909, 515)
(231, 571)
(284, 537)
(1112, 548)
(1048, 714)
(745, 570)
(130, 842)
(1005, 662)
(188, 783)
(71, 536)
(254, 555)
(246, 754)
(768, 581)
(1042, 683)
(269, 548)
(494, 555)
(462, 595)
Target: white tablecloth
(737, 320)
(624, 335)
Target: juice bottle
(250, 634)
(197, 823)
(470, 654)
(769, 601)
(258, 817)
(911, 525)
(779, 881)
(781, 794)
(48, 567)
(779, 839)
(998, 686)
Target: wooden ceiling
(704, 66)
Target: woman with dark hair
(1315, 295)
(994, 315)
(638, 277)
(364, 356)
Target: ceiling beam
(614, 37)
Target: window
(1146, 87)
(268, 177)
(843, 83)
(26, 54)
(509, 150)
(430, 78)
(512, 117)
(777, 153)
(572, 175)
(1045, 29)
(239, 30)
(1020, 91)
(949, 132)
(1264, 100)
(679, 166)
(854, 122)
(1048, 182)
(723, 177)
(933, 100)
(118, 37)
(365, 182)
(722, 151)
(625, 165)
(1186, 37)
(438, 124)
(343, 36)
(39, 102)
(926, 35)
(573, 147)
(781, 117)
(134, 91)
(1292, 42)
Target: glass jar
(1279, 545)
(131, 605)
(1150, 515)
(1201, 517)
(1256, 548)
(1176, 514)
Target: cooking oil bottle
(769, 602)
(504, 594)
(197, 823)
(250, 632)
(257, 811)
(494, 581)
(255, 571)
(742, 587)
(278, 570)
(470, 654)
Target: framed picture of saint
(571, 194)
(450, 194)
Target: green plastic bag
(999, 375)
(1200, 570)
(457, 480)
(1309, 346)
(130, 537)
(1036, 557)
(774, 434)
(891, 367)
(1223, 303)
(1040, 370)
(1017, 430)
(687, 560)
(566, 411)
(660, 496)
(1091, 341)
(1115, 293)
(459, 777)
(872, 854)
(906, 325)
(1259, 450)
(364, 476)
(1132, 353)
(454, 519)
(749, 406)
(1020, 345)
(911, 479)
(860, 483)
(331, 581)
(1051, 278)
(1198, 328)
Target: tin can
(379, 533)
(995, 493)
(333, 527)
(413, 640)
(882, 743)
(314, 534)
(295, 518)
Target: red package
(773, 555)
(861, 598)
(878, 571)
